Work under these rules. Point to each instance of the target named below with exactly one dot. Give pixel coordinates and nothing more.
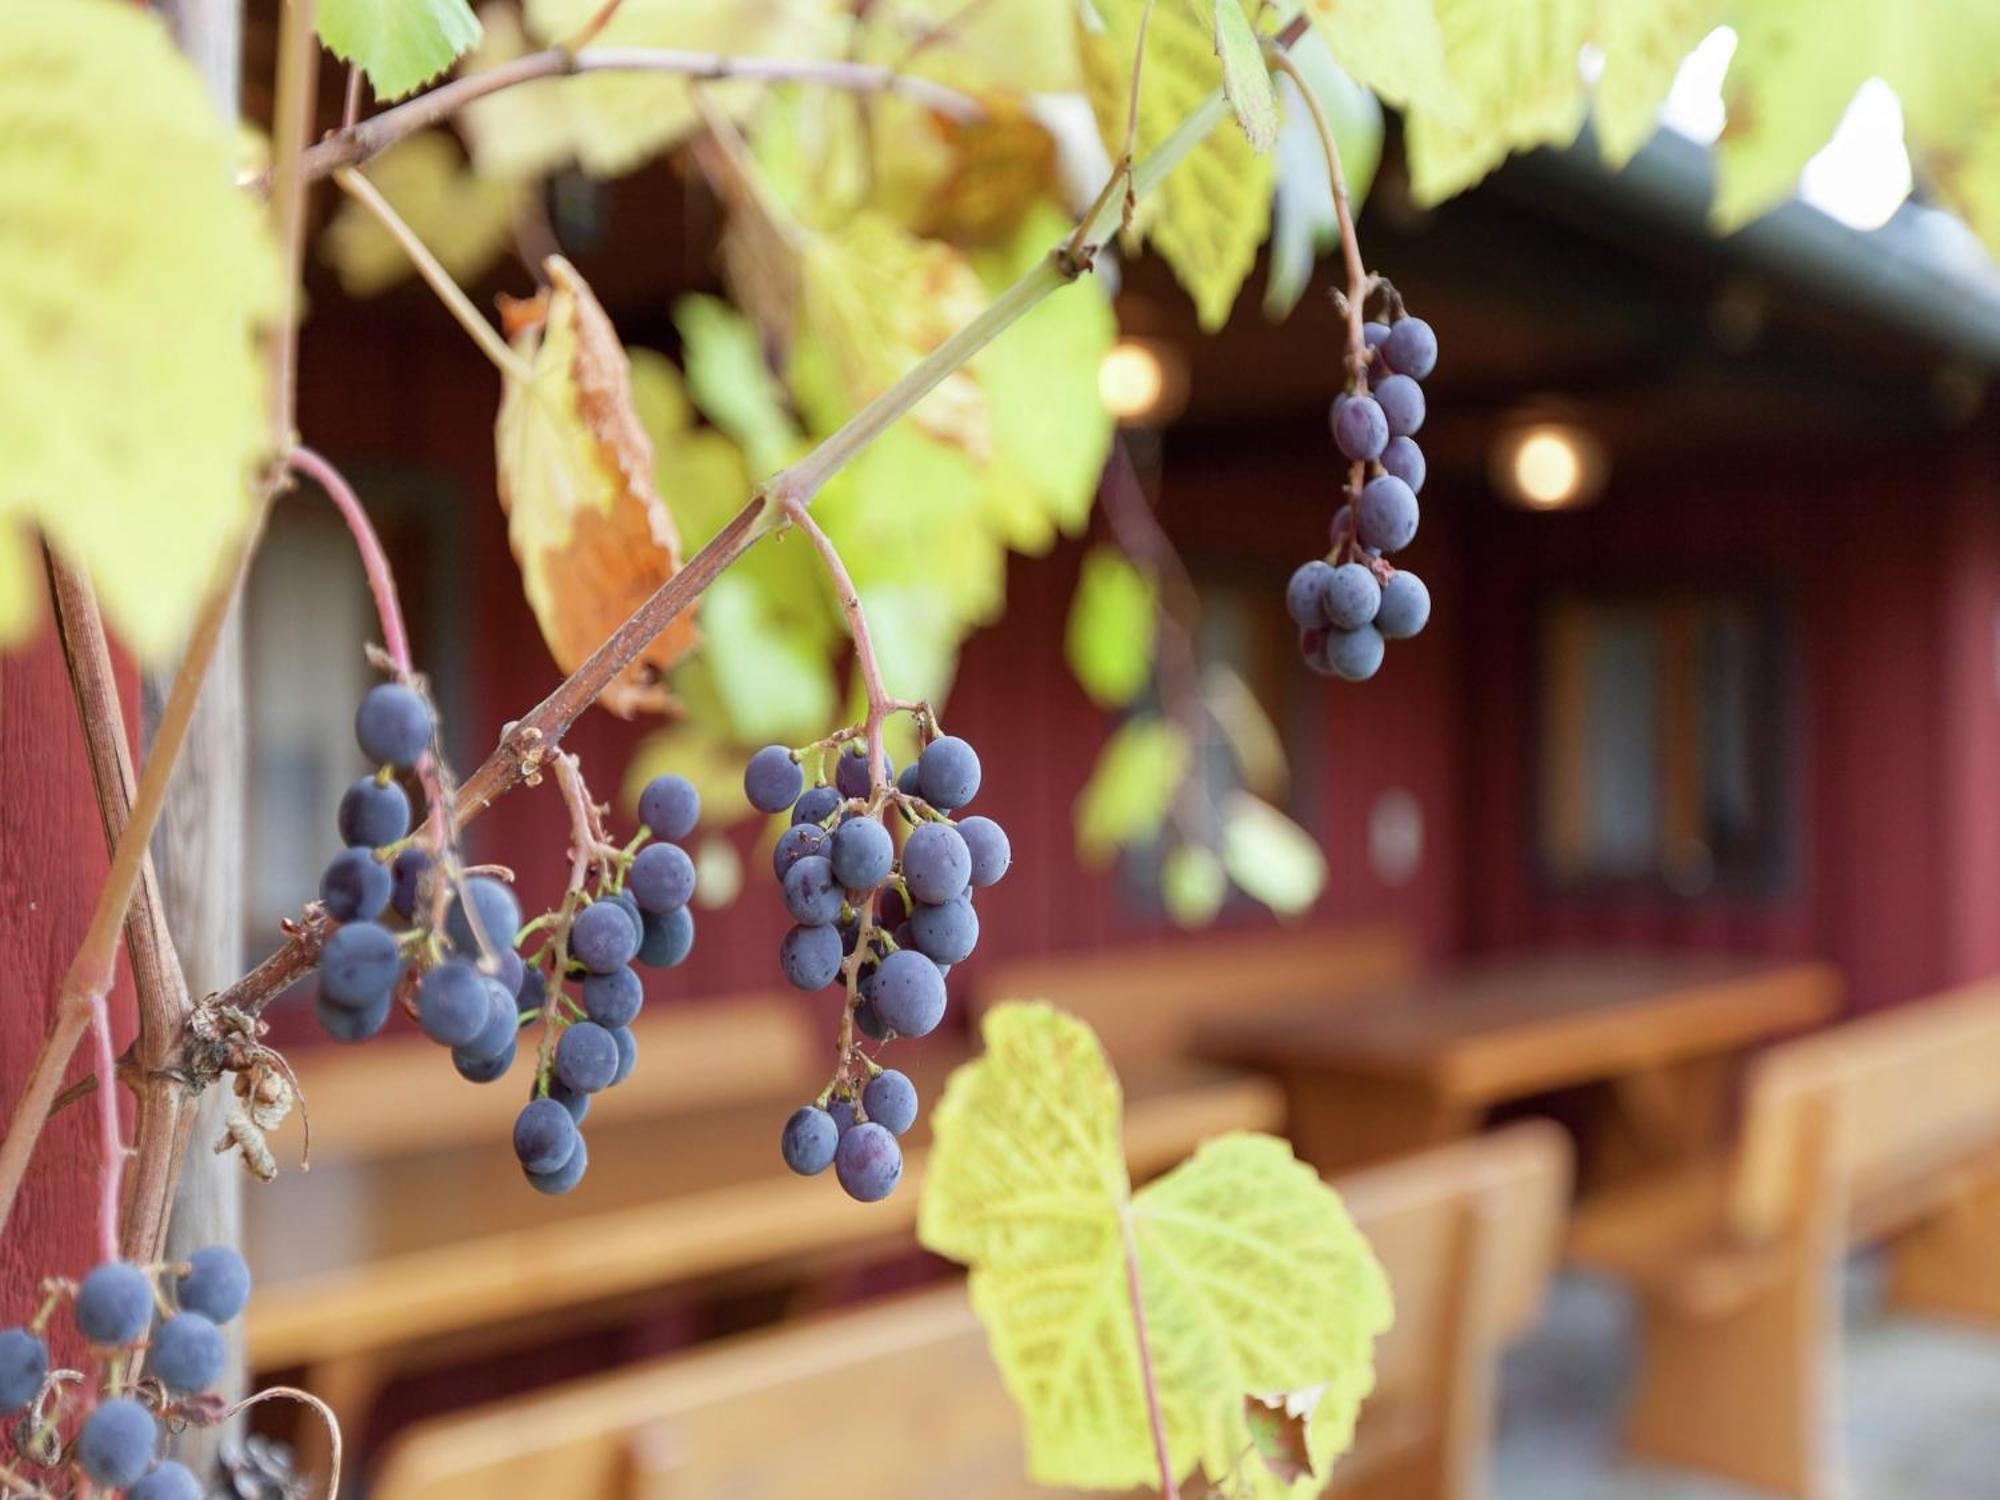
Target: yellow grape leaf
(989, 174)
(1012, 46)
(1209, 216)
(576, 480)
(1394, 48)
(732, 384)
(1966, 176)
(1132, 787)
(1644, 43)
(1245, 79)
(1278, 1431)
(464, 218)
(874, 299)
(522, 131)
(621, 120)
(1253, 1278)
(1109, 640)
(399, 44)
(131, 390)
(774, 683)
(1516, 84)
(1269, 856)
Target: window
(1663, 731)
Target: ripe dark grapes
(987, 844)
(393, 725)
(114, 1304)
(945, 934)
(628, 1053)
(167, 1481)
(850, 772)
(891, 1101)
(188, 1353)
(937, 864)
(24, 1365)
(948, 773)
(810, 956)
(117, 1443)
(406, 880)
(773, 779)
(812, 894)
(1349, 603)
(357, 965)
(216, 1284)
(669, 938)
(907, 992)
(452, 1003)
(861, 854)
(868, 1163)
(346, 1023)
(808, 1143)
(816, 805)
(586, 1057)
(601, 938)
(613, 999)
(498, 912)
(669, 806)
(373, 813)
(355, 886)
(661, 878)
(544, 1135)
(566, 1176)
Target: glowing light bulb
(1131, 380)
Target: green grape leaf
(1516, 84)
(1209, 216)
(1246, 81)
(1192, 885)
(1394, 48)
(1109, 642)
(399, 44)
(523, 131)
(1132, 787)
(1252, 1275)
(576, 468)
(620, 121)
(1253, 739)
(464, 218)
(1269, 856)
(1303, 223)
(731, 383)
(133, 415)
(1644, 43)
(774, 686)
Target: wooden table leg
(1338, 1121)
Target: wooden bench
(1148, 1000)
(900, 1400)
(1885, 1129)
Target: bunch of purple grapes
(169, 1314)
(890, 923)
(464, 976)
(1351, 603)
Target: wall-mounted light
(1143, 382)
(1548, 465)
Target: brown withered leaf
(1278, 1427)
(589, 531)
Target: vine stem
(526, 746)
(374, 562)
(111, 1145)
(483, 333)
(879, 702)
(1169, 1490)
(371, 137)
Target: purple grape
(510, 971)
(358, 964)
(351, 1023)
(355, 886)
(503, 1023)
(937, 864)
(669, 938)
(907, 992)
(533, 991)
(945, 934)
(113, 1305)
(624, 902)
(566, 1176)
(167, 1481)
(850, 771)
(1388, 513)
(1359, 428)
(453, 1003)
(628, 1053)
(613, 999)
(810, 956)
(1405, 460)
(1411, 348)
(373, 813)
(868, 1162)
(986, 842)
(661, 878)
(794, 844)
(1305, 595)
(891, 1101)
(544, 1135)
(809, 1141)
(870, 1023)
(393, 725)
(216, 1284)
(601, 938)
(1352, 596)
(586, 1057)
(1406, 606)
(574, 1101)
(484, 1069)
(117, 1443)
(948, 773)
(1402, 401)
(862, 854)
(24, 1365)
(188, 1353)
(670, 807)
(406, 881)
(1354, 655)
(812, 894)
(906, 781)
(1374, 334)
(816, 805)
(841, 1112)
(773, 779)
(499, 914)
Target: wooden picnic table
(1420, 1061)
(378, 1264)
